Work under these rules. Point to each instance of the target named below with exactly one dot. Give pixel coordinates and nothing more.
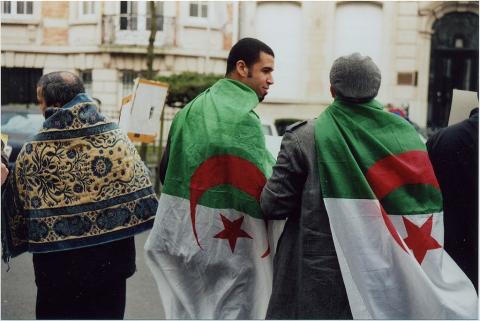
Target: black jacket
(453, 152)
(85, 267)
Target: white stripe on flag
(390, 281)
(213, 282)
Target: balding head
(58, 88)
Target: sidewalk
(19, 290)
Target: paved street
(19, 291)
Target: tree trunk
(150, 57)
(151, 40)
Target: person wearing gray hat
(355, 78)
(307, 281)
(323, 161)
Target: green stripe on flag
(220, 121)
(226, 196)
(352, 138)
(413, 199)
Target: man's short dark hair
(59, 87)
(248, 50)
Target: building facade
(105, 42)
(424, 49)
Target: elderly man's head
(355, 78)
(55, 89)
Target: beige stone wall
(55, 22)
(105, 88)
(55, 40)
(227, 36)
(20, 34)
(202, 39)
(59, 40)
(405, 51)
(406, 37)
(319, 22)
(55, 36)
(84, 35)
(55, 9)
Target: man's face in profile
(260, 76)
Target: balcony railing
(128, 29)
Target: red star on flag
(232, 231)
(419, 239)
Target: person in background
(76, 197)
(454, 155)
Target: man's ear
(332, 91)
(242, 68)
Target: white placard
(141, 111)
(125, 112)
(463, 102)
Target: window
(17, 8)
(199, 9)
(128, 77)
(21, 85)
(136, 16)
(86, 8)
(7, 7)
(86, 77)
(158, 13)
(128, 15)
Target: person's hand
(4, 173)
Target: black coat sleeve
(162, 169)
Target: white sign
(463, 102)
(140, 113)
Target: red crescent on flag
(395, 171)
(225, 169)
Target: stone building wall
(57, 37)
(405, 60)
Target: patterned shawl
(79, 182)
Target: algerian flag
(209, 249)
(385, 211)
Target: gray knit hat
(355, 78)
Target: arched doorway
(453, 63)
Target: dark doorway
(453, 63)
(19, 85)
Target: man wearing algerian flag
(364, 235)
(209, 249)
